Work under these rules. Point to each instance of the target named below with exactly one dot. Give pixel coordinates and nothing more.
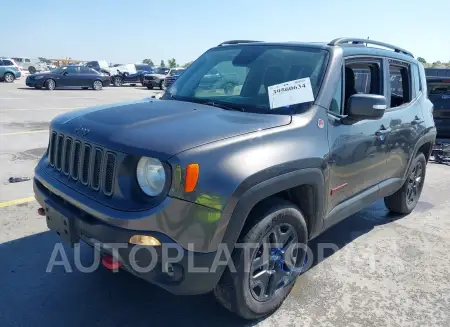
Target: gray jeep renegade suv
(310, 134)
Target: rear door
(87, 76)
(405, 116)
(439, 95)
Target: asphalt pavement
(382, 270)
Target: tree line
(171, 63)
(436, 64)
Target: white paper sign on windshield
(289, 93)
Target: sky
(129, 31)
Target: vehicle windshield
(59, 70)
(161, 71)
(175, 72)
(247, 72)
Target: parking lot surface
(377, 270)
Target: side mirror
(65, 73)
(366, 106)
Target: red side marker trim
(110, 263)
(337, 188)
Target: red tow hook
(41, 212)
(110, 263)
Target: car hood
(156, 75)
(161, 128)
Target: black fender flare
(430, 137)
(252, 195)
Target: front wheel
(161, 85)
(117, 81)
(50, 84)
(264, 275)
(97, 85)
(405, 199)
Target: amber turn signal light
(192, 172)
(144, 240)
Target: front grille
(92, 166)
(149, 78)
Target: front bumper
(154, 83)
(61, 204)
(34, 82)
(18, 74)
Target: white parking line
(25, 132)
(24, 109)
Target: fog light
(144, 240)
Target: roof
(350, 46)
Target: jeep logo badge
(82, 131)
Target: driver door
(71, 77)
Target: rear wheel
(265, 275)
(150, 87)
(32, 69)
(405, 199)
(161, 85)
(97, 85)
(9, 78)
(50, 84)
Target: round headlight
(151, 176)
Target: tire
(9, 78)
(97, 85)
(405, 199)
(50, 84)
(31, 69)
(161, 85)
(228, 88)
(133, 85)
(117, 81)
(150, 87)
(237, 291)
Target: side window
(27, 60)
(1, 63)
(336, 103)
(7, 63)
(73, 70)
(400, 85)
(85, 70)
(417, 80)
(362, 76)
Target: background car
(69, 77)
(173, 74)
(156, 78)
(129, 74)
(9, 71)
(439, 95)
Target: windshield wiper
(223, 105)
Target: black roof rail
(236, 42)
(355, 41)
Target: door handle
(383, 130)
(417, 121)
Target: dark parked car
(171, 77)
(155, 78)
(69, 77)
(131, 78)
(207, 190)
(439, 94)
